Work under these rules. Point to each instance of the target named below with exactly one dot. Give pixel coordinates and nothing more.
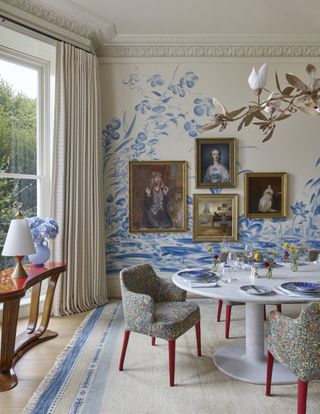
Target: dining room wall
(151, 110)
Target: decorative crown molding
(66, 21)
(210, 46)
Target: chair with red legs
(156, 307)
(228, 313)
(295, 344)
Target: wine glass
(248, 252)
(232, 260)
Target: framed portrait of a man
(215, 163)
(215, 217)
(265, 195)
(157, 196)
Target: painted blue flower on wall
(159, 113)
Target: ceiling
(212, 17)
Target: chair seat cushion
(172, 319)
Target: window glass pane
(11, 191)
(18, 118)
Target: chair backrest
(139, 279)
(308, 359)
(309, 320)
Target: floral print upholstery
(155, 306)
(295, 343)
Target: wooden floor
(36, 363)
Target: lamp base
(19, 271)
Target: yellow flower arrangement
(292, 252)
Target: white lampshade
(19, 239)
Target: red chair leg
(198, 336)
(228, 317)
(124, 349)
(279, 309)
(302, 396)
(264, 312)
(220, 303)
(269, 372)
(153, 340)
(172, 356)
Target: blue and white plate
(196, 274)
(304, 287)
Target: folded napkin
(281, 291)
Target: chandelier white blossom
(277, 106)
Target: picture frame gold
(218, 172)
(215, 217)
(157, 196)
(265, 194)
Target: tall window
(26, 100)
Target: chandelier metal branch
(266, 113)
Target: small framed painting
(215, 217)
(157, 196)
(265, 195)
(215, 162)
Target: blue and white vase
(42, 254)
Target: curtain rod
(5, 19)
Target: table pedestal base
(233, 361)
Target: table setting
(244, 358)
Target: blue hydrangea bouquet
(43, 228)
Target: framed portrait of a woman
(157, 196)
(215, 163)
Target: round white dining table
(245, 359)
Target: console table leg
(8, 378)
(48, 304)
(34, 307)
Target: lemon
(257, 257)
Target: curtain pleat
(77, 186)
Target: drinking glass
(232, 261)
(248, 252)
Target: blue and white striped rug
(82, 367)
(86, 377)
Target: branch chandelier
(266, 113)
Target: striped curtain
(77, 183)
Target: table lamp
(18, 244)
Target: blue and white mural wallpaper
(164, 109)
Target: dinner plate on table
(256, 289)
(197, 274)
(302, 287)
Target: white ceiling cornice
(209, 46)
(66, 21)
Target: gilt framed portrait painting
(157, 196)
(215, 163)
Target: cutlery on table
(256, 289)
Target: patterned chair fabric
(155, 306)
(295, 343)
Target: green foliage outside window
(18, 154)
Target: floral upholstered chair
(295, 343)
(156, 307)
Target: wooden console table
(11, 291)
